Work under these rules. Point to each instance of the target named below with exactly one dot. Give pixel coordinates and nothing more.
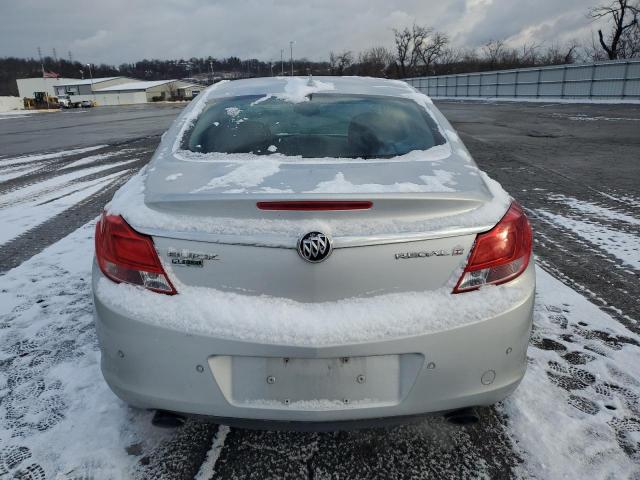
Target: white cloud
(121, 30)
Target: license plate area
(308, 383)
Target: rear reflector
(315, 205)
(127, 256)
(499, 255)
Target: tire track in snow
(56, 181)
(613, 285)
(21, 248)
(21, 218)
(48, 166)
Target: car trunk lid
(414, 224)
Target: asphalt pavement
(61, 129)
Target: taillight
(127, 256)
(315, 205)
(499, 255)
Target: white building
(28, 87)
(143, 92)
(109, 90)
(88, 85)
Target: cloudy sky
(116, 31)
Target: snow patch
(15, 172)
(128, 201)
(207, 469)
(48, 156)
(20, 218)
(55, 404)
(281, 321)
(569, 432)
(97, 158)
(434, 154)
(593, 209)
(340, 184)
(244, 175)
(297, 89)
(622, 245)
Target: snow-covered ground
(25, 203)
(21, 113)
(25, 211)
(576, 414)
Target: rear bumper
(473, 365)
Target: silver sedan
(312, 252)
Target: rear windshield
(327, 125)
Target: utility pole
(282, 61)
(55, 55)
(46, 94)
(91, 76)
(41, 62)
(70, 57)
(291, 50)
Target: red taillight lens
(125, 255)
(499, 255)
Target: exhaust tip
(464, 416)
(164, 419)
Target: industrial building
(142, 92)
(108, 90)
(28, 87)
(73, 86)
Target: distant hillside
(12, 68)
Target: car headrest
(236, 137)
(364, 134)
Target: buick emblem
(314, 247)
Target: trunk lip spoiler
(290, 242)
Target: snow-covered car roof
(293, 85)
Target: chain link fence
(615, 80)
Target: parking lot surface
(83, 127)
(575, 170)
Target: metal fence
(615, 80)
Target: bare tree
(558, 54)
(419, 36)
(571, 51)
(432, 48)
(630, 43)
(341, 61)
(403, 45)
(375, 61)
(493, 50)
(530, 53)
(420, 46)
(624, 14)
